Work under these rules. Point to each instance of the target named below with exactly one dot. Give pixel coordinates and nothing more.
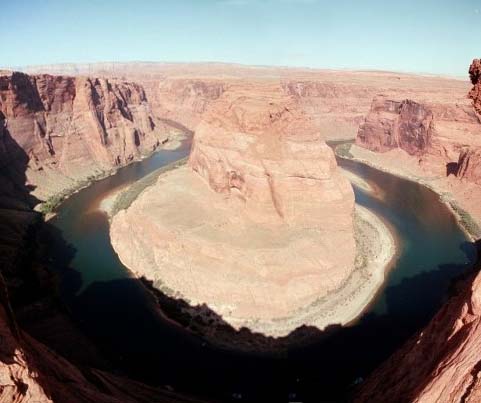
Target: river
(122, 317)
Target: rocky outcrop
(475, 93)
(183, 100)
(433, 135)
(31, 372)
(259, 226)
(72, 128)
(260, 147)
(393, 124)
(336, 108)
(469, 165)
(441, 363)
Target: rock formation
(435, 135)
(258, 227)
(475, 93)
(58, 130)
(392, 124)
(469, 165)
(261, 148)
(337, 101)
(442, 363)
(31, 372)
(181, 99)
(73, 128)
(439, 364)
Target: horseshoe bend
(260, 224)
(289, 212)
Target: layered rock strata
(73, 128)
(475, 76)
(337, 101)
(441, 363)
(391, 124)
(259, 225)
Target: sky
(421, 36)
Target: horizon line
(273, 66)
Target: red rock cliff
(442, 362)
(393, 124)
(258, 144)
(71, 128)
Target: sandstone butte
(34, 141)
(258, 226)
(442, 362)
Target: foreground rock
(55, 131)
(475, 93)
(259, 226)
(441, 363)
(31, 372)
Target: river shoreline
(447, 199)
(377, 250)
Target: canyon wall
(257, 144)
(31, 372)
(183, 100)
(441, 363)
(391, 124)
(436, 135)
(475, 76)
(337, 101)
(54, 132)
(72, 128)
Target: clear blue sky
(404, 35)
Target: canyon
(72, 129)
(441, 362)
(258, 172)
(236, 229)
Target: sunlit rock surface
(260, 223)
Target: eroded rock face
(441, 363)
(475, 93)
(71, 128)
(31, 372)
(258, 226)
(264, 150)
(183, 100)
(393, 124)
(469, 165)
